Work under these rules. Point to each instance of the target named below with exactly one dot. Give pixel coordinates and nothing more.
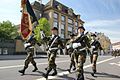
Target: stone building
(7, 47)
(105, 42)
(59, 16)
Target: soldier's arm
(60, 42)
(100, 47)
(87, 42)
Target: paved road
(108, 69)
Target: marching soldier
(96, 46)
(29, 47)
(53, 47)
(80, 44)
(71, 52)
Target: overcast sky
(99, 15)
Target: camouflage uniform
(52, 52)
(29, 47)
(71, 54)
(96, 47)
(81, 54)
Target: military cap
(54, 28)
(81, 27)
(72, 34)
(94, 35)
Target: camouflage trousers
(93, 58)
(72, 58)
(80, 59)
(30, 58)
(51, 59)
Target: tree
(8, 30)
(42, 26)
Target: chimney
(78, 16)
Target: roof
(65, 9)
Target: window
(70, 26)
(0, 51)
(55, 23)
(76, 26)
(63, 18)
(5, 51)
(62, 33)
(70, 21)
(62, 26)
(55, 15)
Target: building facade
(59, 16)
(7, 47)
(105, 42)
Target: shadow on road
(40, 73)
(106, 75)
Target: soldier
(80, 44)
(71, 52)
(29, 47)
(96, 46)
(53, 47)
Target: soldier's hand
(47, 49)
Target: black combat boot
(69, 70)
(54, 73)
(46, 68)
(23, 70)
(74, 66)
(46, 75)
(80, 77)
(94, 71)
(35, 69)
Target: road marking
(117, 64)
(16, 66)
(66, 72)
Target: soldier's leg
(47, 73)
(49, 68)
(95, 56)
(72, 60)
(48, 55)
(53, 64)
(26, 63)
(81, 61)
(76, 57)
(33, 61)
(91, 58)
(34, 64)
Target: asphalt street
(108, 68)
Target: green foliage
(42, 26)
(8, 30)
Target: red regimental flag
(26, 27)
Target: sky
(98, 15)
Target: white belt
(82, 49)
(53, 48)
(95, 51)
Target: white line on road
(7, 67)
(66, 72)
(117, 64)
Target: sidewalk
(17, 57)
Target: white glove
(26, 44)
(75, 45)
(68, 46)
(91, 50)
(92, 47)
